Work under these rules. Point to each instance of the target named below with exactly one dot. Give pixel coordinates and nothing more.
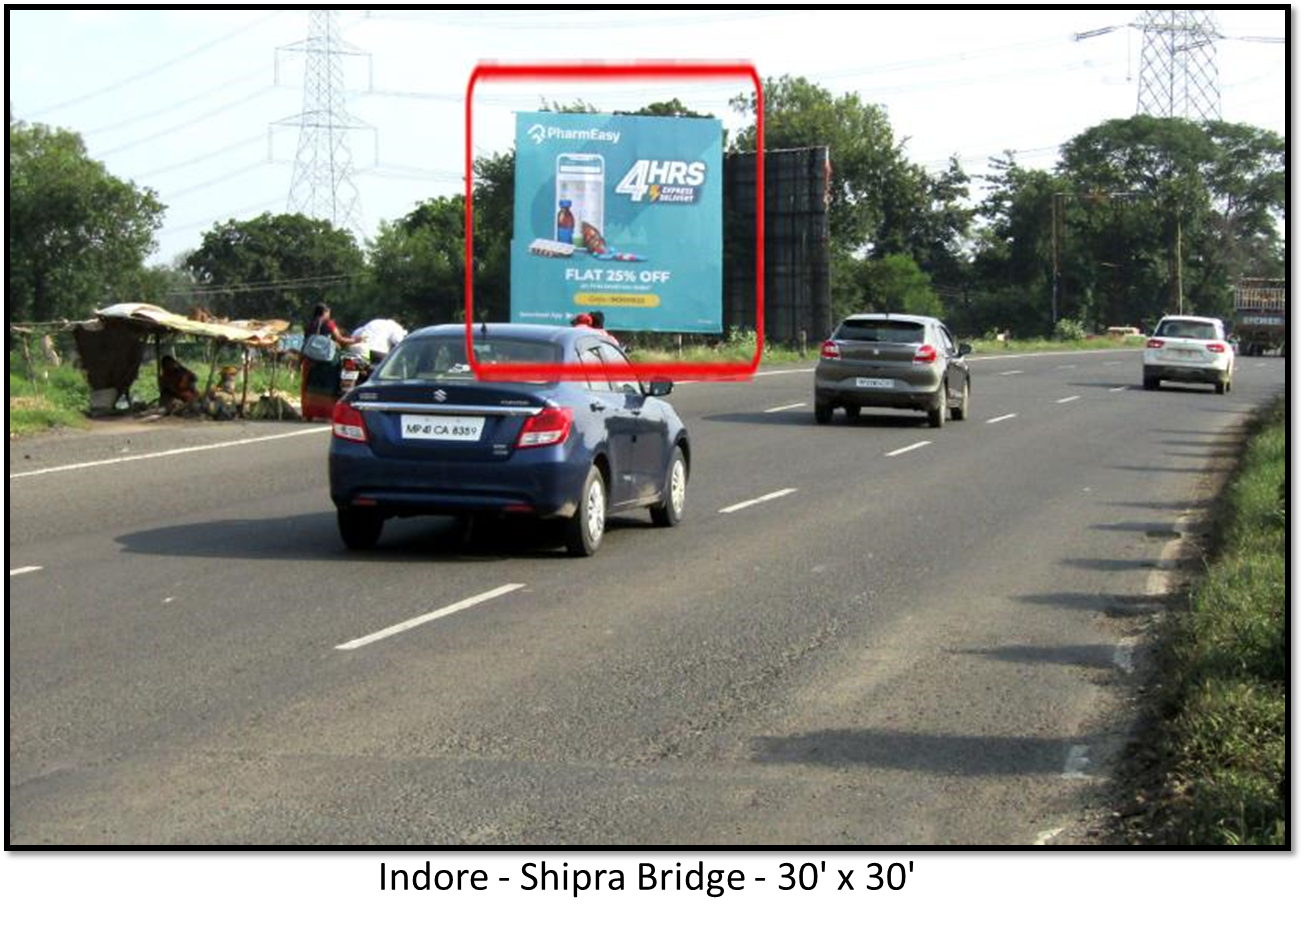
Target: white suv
(1189, 348)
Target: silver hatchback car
(892, 361)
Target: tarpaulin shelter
(112, 344)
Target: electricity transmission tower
(322, 185)
(1178, 76)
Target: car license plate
(441, 427)
(863, 382)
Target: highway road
(911, 636)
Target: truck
(1260, 323)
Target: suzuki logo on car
(440, 395)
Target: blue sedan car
(424, 436)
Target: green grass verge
(1040, 345)
(1225, 737)
(60, 396)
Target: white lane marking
(914, 446)
(1010, 373)
(1003, 418)
(1072, 398)
(756, 501)
(1046, 836)
(21, 570)
(1066, 366)
(1112, 363)
(433, 615)
(784, 408)
(1118, 389)
(167, 453)
(1257, 365)
(1075, 766)
(786, 372)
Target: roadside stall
(112, 346)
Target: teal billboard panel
(618, 214)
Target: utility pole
(322, 185)
(1178, 76)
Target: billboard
(618, 214)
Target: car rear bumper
(918, 393)
(538, 481)
(1191, 373)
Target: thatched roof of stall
(153, 319)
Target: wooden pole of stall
(271, 386)
(31, 370)
(212, 366)
(244, 391)
(158, 365)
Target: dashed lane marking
(1010, 373)
(907, 449)
(433, 615)
(784, 408)
(23, 570)
(1003, 418)
(756, 501)
(1072, 398)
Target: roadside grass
(739, 347)
(1224, 736)
(60, 396)
(1040, 345)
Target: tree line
(1138, 217)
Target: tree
(493, 198)
(891, 283)
(867, 161)
(881, 204)
(418, 264)
(77, 235)
(1011, 265)
(1247, 179)
(277, 266)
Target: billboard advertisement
(618, 214)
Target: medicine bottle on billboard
(581, 179)
(565, 222)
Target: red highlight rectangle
(638, 70)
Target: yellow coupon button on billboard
(618, 300)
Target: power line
(230, 214)
(203, 185)
(199, 159)
(151, 71)
(136, 143)
(516, 22)
(263, 286)
(141, 117)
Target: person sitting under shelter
(177, 386)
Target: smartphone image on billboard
(581, 179)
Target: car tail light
(1155, 342)
(925, 353)
(829, 351)
(550, 426)
(347, 423)
(1216, 347)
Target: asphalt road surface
(918, 636)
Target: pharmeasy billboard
(620, 214)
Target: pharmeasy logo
(540, 133)
(663, 181)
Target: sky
(187, 102)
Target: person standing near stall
(321, 370)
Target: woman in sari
(321, 379)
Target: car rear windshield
(444, 358)
(893, 332)
(1182, 328)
